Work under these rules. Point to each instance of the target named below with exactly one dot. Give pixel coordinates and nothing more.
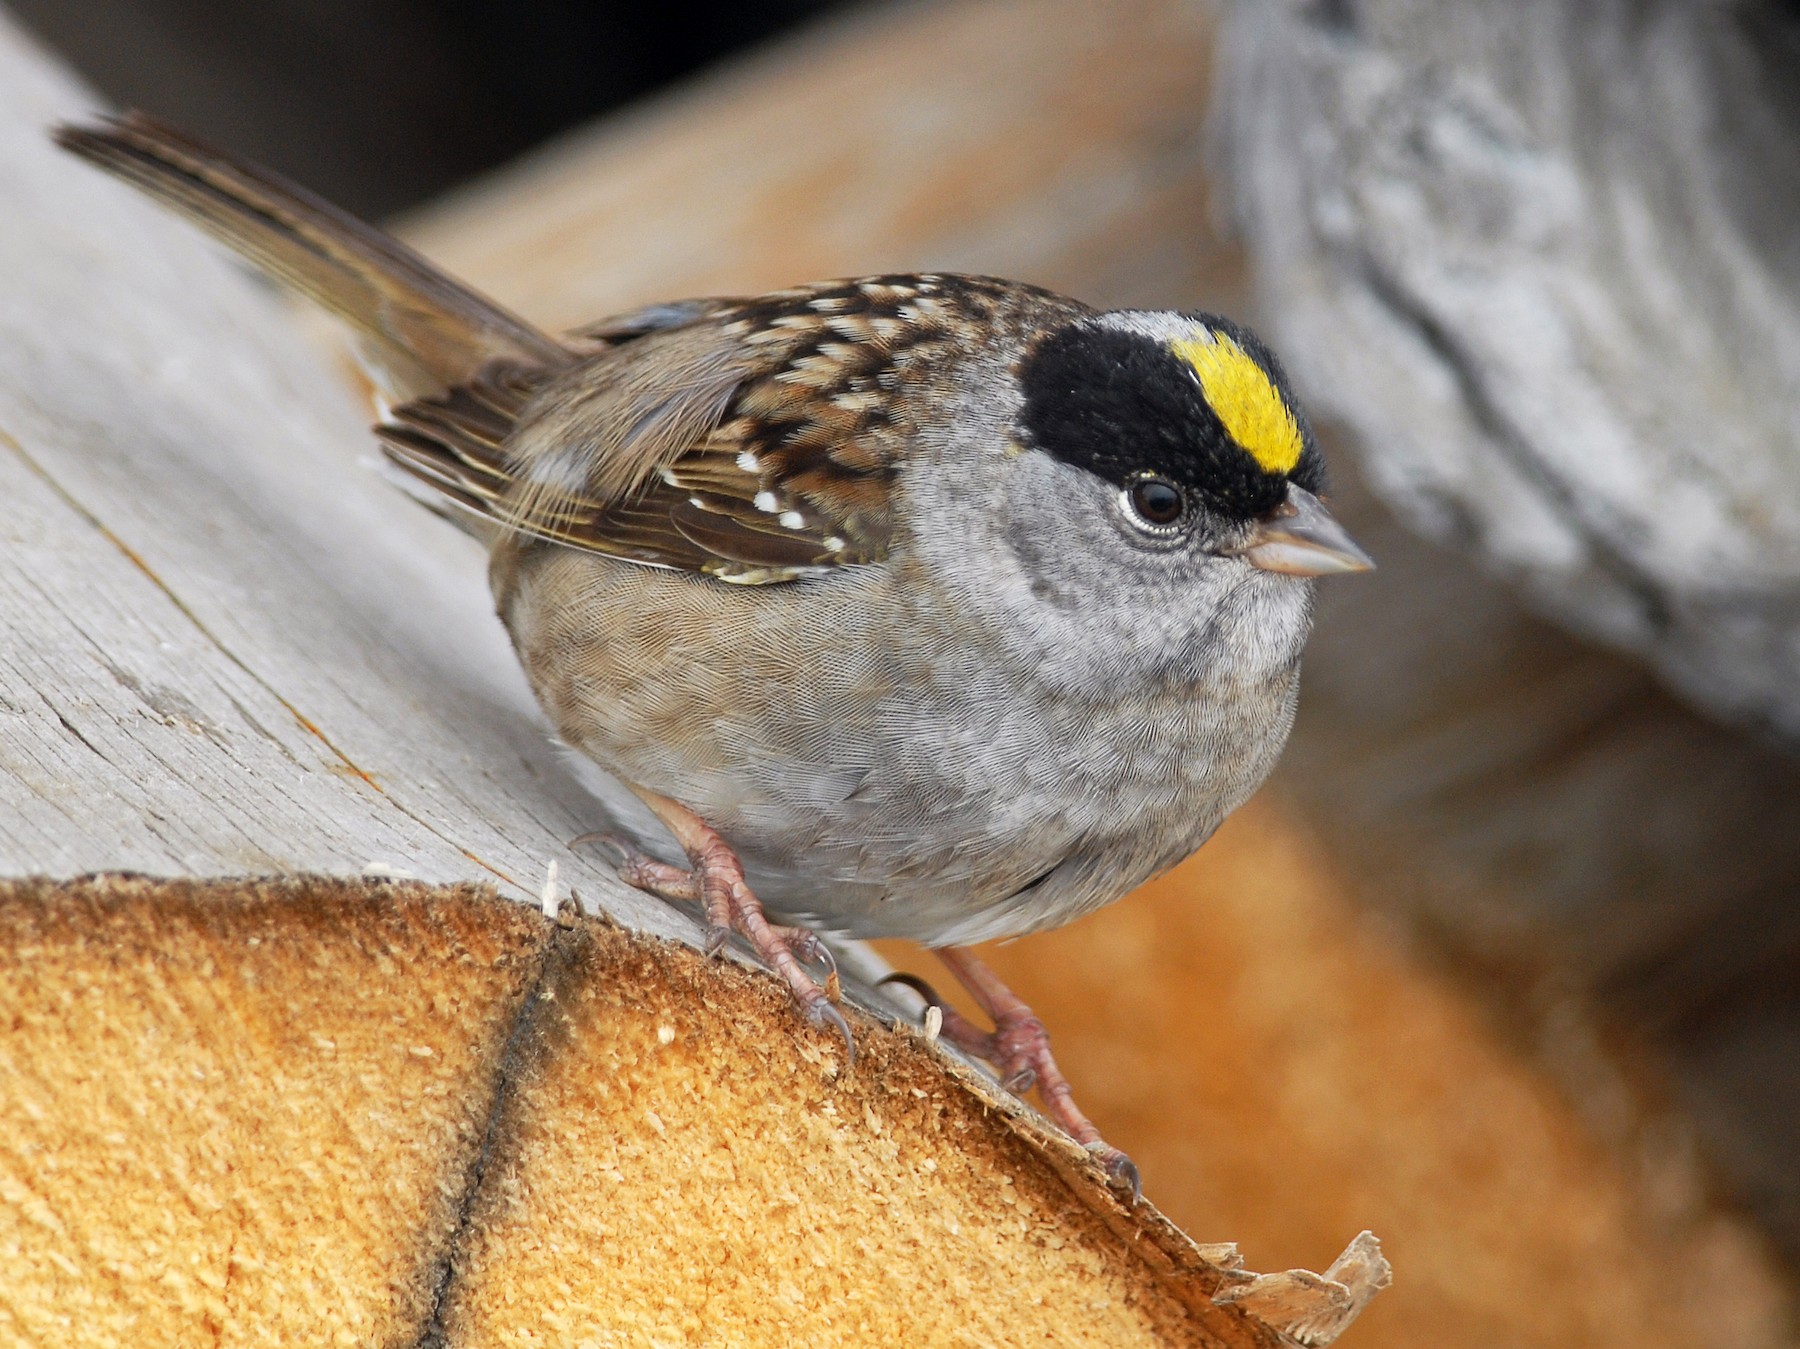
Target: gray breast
(893, 756)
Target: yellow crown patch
(1255, 414)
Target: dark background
(380, 104)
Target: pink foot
(716, 882)
(1019, 1049)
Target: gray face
(1084, 589)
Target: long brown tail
(425, 331)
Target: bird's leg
(1019, 1049)
(641, 871)
(717, 882)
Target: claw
(916, 984)
(1020, 1082)
(717, 935)
(823, 1014)
(612, 843)
(1121, 1171)
(818, 953)
(809, 950)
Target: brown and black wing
(751, 440)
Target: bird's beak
(1302, 539)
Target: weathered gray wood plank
(229, 645)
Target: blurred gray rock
(1543, 260)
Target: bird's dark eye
(1156, 501)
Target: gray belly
(919, 784)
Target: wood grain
(324, 1111)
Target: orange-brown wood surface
(353, 1112)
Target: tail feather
(423, 330)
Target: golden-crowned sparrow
(928, 606)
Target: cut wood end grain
(292, 1109)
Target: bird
(927, 605)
